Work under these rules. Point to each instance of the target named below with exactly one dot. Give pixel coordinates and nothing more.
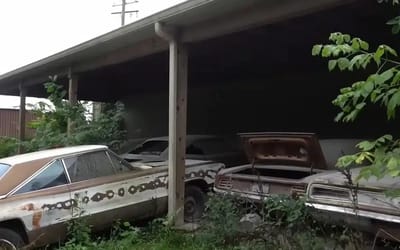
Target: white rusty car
(364, 206)
(41, 191)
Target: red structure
(9, 122)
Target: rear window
(151, 148)
(3, 169)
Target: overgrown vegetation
(8, 146)
(285, 224)
(52, 121)
(382, 88)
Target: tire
(10, 240)
(195, 203)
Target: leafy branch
(380, 157)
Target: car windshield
(151, 147)
(3, 169)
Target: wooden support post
(72, 97)
(178, 64)
(22, 114)
(177, 131)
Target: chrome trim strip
(66, 171)
(111, 162)
(351, 211)
(248, 196)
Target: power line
(123, 11)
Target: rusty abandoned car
(280, 163)
(41, 191)
(365, 207)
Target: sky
(31, 30)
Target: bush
(8, 146)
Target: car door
(44, 203)
(106, 189)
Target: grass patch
(285, 224)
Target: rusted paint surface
(135, 194)
(36, 216)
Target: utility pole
(123, 11)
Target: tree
(347, 53)
(52, 121)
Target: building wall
(9, 122)
(288, 103)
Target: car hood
(338, 179)
(188, 163)
(141, 157)
(300, 149)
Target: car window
(3, 169)
(88, 166)
(153, 147)
(52, 176)
(119, 164)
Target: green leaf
(396, 78)
(343, 63)
(383, 77)
(316, 49)
(366, 145)
(332, 64)
(355, 44)
(392, 163)
(360, 105)
(390, 50)
(339, 117)
(392, 104)
(393, 21)
(364, 45)
(378, 54)
(396, 29)
(327, 50)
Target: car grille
(224, 182)
(330, 192)
(298, 192)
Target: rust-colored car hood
(300, 149)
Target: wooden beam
(22, 116)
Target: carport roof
(196, 20)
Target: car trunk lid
(300, 149)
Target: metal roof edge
(114, 34)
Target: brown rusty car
(280, 163)
(41, 191)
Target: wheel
(195, 200)
(10, 240)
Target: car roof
(24, 165)
(49, 153)
(189, 138)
